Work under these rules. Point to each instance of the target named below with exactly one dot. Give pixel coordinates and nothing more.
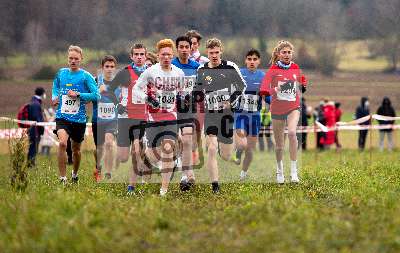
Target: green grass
(345, 203)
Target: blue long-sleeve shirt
(73, 109)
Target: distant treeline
(35, 25)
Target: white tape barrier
(33, 123)
(352, 126)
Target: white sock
(184, 178)
(293, 167)
(163, 192)
(279, 167)
(74, 175)
(63, 178)
(243, 173)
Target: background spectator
(34, 132)
(330, 121)
(362, 111)
(46, 140)
(305, 115)
(386, 109)
(319, 116)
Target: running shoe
(130, 190)
(215, 187)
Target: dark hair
(182, 38)
(108, 58)
(337, 104)
(253, 52)
(39, 91)
(194, 34)
(138, 46)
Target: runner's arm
(93, 94)
(55, 92)
(238, 85)
(265, 88)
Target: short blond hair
(75, 49)
(164, 43)
(213, 42)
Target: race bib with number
(70, 105)
(215, 100)
(288, 90)
(189, 84)
(106, 111)
(250, 102)
(166, 99)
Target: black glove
(153, 102)
(121, 109)
(235, 100)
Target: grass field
(345, 203)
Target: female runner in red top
(284, 82)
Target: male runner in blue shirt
(248, 119)
(186, 117)
(73, 87)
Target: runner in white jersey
(159, 86)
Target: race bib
(166, 99)
(250, 102)
(288, 90)
(70, 105)
(106, 111)
(189, 84)
(215, 100)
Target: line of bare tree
(35, 25)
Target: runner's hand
(153, 102)
(55, 102)
(102, 88)
(121, 109)
(72, 94)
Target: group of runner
(156, 114)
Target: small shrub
(304, 59)
(18, 161)
(327, 59)
(44, 73)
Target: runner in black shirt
(220, 85)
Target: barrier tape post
(370, 140)
(316, 143)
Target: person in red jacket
(330, 121)
(281, 82)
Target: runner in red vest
(132, 112)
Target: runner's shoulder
(87, 74)
(62, 71)
(294, 66)
(177, 70)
